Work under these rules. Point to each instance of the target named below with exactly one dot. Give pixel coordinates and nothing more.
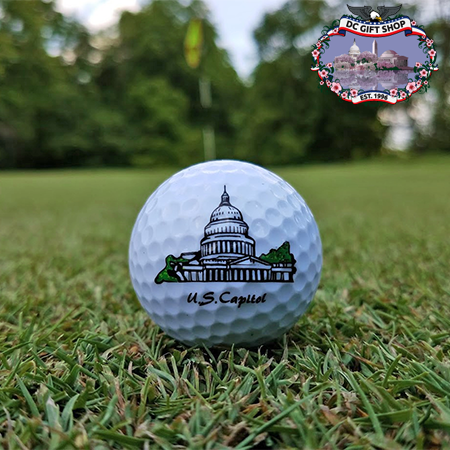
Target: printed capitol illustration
(227, 253)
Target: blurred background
(99, 83)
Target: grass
(82, 366)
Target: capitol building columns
(223, 245)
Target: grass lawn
(82, 365)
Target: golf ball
(224, 253)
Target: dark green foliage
(158, 91)
(169, 272)
(288, 119)
(279, 255)
(130, 100)
(436, 135)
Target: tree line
(69, 97)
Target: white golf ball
(224, 253)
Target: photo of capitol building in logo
(368, 71)
(389, 56)
(227, 253)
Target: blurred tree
(288, 120)
(37, 89)
(70, 98)
(435, 136)
(126, 96)
(145, 74)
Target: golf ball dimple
(224, 253)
